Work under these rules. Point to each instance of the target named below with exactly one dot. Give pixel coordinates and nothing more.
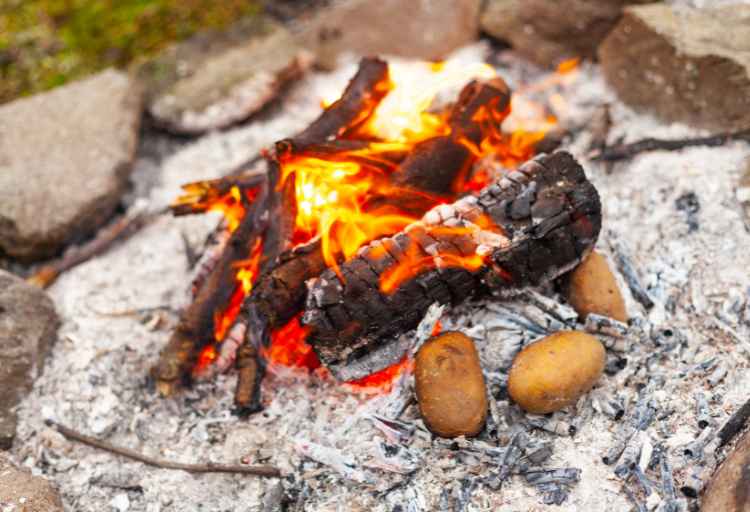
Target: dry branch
(210, 467)
(625, 151)
(545, 217)
(360, 98)
(118, 230)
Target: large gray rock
(28, 327)
(22, 492)
(65, 158)
(550, 32)
(215, 79)
(423, 29)
(683, 64)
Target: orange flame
(336, 190)
(288, 346)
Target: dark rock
(729, 488)
(549, 32)
(22, 492)
(688, 65)
(28, 327)
(419, 29)
(215, 80)
(65, 158)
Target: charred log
(434, 167)
(358, 102)
(440, 165)
(543, 219)
(196, 327)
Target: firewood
(197, 323)
(543, 219)
(358, 102)
(618, 152)
(436, 166)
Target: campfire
(397, 197)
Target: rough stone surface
(28, 325)
(549, 32)
(215, 80)
(423, 29)
(22, 492)
(65, 158)
(729, 489)
(683, 64)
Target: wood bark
(358, 102)
(196, 326)
(545, 217)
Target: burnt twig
(734, 424)
(210, 467)
(119, 229)
(625, 151)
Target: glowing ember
(288, 347)
(382, 381)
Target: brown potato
(555, 371)
(450, 386)
(592, 288)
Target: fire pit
(349, 244)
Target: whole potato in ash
(592, 288)
(450, 386)
(555, 371)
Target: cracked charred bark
(545, 216)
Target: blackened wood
(358, 102)
(441, 164)
(196, 326)
(550, 217)
(280, 294)
(199, 196)
(118, 230)
(625, 151)
(734, 424)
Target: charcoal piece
(689, 205)
(405, 305)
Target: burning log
(199, 323)
(531, 226)
(438, 165)
(358, 102)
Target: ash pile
(642, 423)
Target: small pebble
(592, 288)
(450, 386)
(555, 371)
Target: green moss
(45, 43)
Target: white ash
(96, 378)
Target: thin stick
(265, 471)
(117, 230)
(625, 151)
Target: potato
(450, 386)
(555, 371)
(592, 288)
